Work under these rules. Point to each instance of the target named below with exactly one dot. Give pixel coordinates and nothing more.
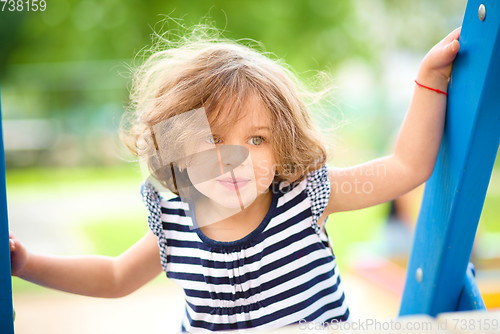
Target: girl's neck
(236, 226)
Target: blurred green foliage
(308, 33)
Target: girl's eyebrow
(256, 128)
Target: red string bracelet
(430, 88)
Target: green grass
(490, 217)
(20, 286)
(348, 228)
(111, 236)
(68, 179)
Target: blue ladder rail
(6, 316)
(438, 279)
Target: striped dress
(282, 273)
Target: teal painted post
(6, 316)
(454, 195)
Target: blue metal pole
(454, 195)
(6, 316)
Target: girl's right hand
(18, 255)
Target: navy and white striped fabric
(281, 273)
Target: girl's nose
(231, 156)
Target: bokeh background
(73, 189)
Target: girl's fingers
(452, 48)
(445, 51)
(454, 35)
(446, 54)
(12, 244)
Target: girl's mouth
(233, 184)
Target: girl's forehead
(251, 112)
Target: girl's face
(242, 166)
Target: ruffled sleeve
(152, 199)
(318, 191)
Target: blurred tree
(10, 39)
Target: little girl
(225, 129)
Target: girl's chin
(228, 199)
(233, 201)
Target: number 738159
(23, 5)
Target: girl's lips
(232, 184)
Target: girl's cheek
(264, 172)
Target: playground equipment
(439, 278)
(6, 311)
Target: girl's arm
(417, 145)
(96, 276)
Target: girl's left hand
(435, 69)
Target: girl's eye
(214, 140)
(257, 140)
